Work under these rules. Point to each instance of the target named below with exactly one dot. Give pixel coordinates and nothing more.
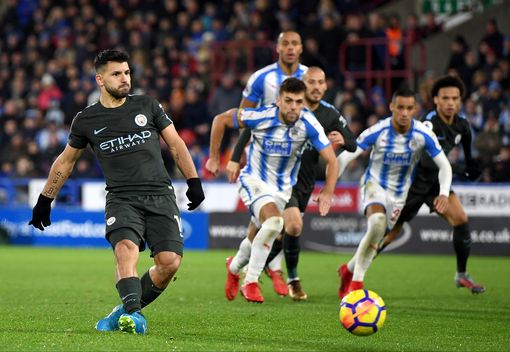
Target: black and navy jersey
(126, 141)
(449, 136)
(331, 120)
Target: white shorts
(255, 193)
(373, 193)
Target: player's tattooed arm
(54, 183)
(60, 171)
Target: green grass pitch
(50, 300)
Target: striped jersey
(394, 156)
(274, 155)
(263, 85)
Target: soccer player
(262, 89)
(397, 144)
(451, 129)
(265, 185)
(339, 135)
(124, 132)
(262, 86)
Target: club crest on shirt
(429, 125)
(110, 220)
(296, 132)
(141, 120)
(457, 139)
(413, 144)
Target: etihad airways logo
(125, 142)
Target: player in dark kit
(124, 132)
(451, 129)
(340, 135)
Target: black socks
(130, 291)
(462, 245)
(291, 248)
(149, 291)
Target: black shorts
(298, 199)
(155, 219)
(414, 201)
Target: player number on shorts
(179, 223)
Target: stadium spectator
(473, 116)
(458, 50)
(500, 169)
(58, 38)
(196, 117)
(376, 30)
(431, 25)
(506, 48)
(488, 141)
(227, 95)
(312, 55)
(493, 37)
(49, 92)
(413, 32)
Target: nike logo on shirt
(100, 130)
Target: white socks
(261, 247)
(242, 257)
(367, 248)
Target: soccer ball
(362, 312)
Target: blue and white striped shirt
(263, 85)
(274, 155)
(394, 156)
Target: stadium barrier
(222, 220)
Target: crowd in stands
(47, 74)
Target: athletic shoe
(345, 280)
(110, 322)
(296, 291)
(469, 283)
(133, 323)
(279, 285)
(232, 284)
(355, 285)
(251, 292)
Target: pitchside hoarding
(343, 232)
(78, 228)
(488, 208)
(222, 219)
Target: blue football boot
(133, 323)
(111, 321)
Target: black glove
(195, 193)
(473, 172)
(41, 213)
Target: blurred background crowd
(47, 74)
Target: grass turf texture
(50, 300)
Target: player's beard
(290, 117)
(312, 97)
(117, 93)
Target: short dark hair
(292, 85)
(448, 81)
(110, 55)
(405, 92)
